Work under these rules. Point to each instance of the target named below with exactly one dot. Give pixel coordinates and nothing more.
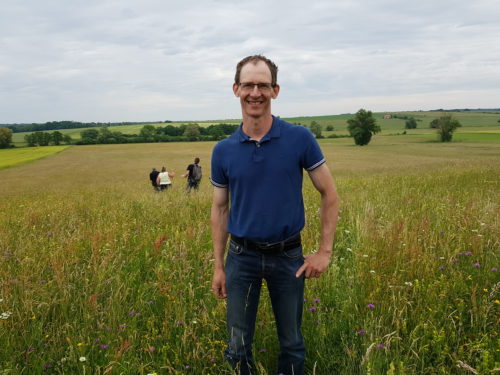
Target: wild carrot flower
(82, 359)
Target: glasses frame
(264, 87)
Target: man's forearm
(218, 220)
(329, 214)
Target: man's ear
(236, 90)
(275, 91)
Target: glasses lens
(249, 86)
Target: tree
(192, 132)
(362, 127)
(148, 132)
(329, 128)
(446, 125)
(411, 123)
(5, 137)
(316, 129)
(67, 139)
(89, 136)
(434, 123)
(56, 137)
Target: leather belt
(268, 247)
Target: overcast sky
(156, 60)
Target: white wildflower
(82, 359)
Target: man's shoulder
(289, 129)
(226, 143)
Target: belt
(268, 247)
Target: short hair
(254, 59)
(196, 160)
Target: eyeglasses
(262, 87)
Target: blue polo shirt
(265, 180)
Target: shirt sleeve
(313, 156)
(218, 176)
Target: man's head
(154, 169)
(255, 85)
(254, 60)
(196, 160)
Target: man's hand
(314, 265)
(219, 283)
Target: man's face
(255, 90)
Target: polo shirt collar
(274, 132)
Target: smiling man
(259, 170)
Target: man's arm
(218, 221)
(315, 264)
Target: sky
(157, 60)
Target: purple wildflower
(468, 253)
(370, 306)
(122, 326)
(441, 268)
(477, 265)
(104, 346)
(263, 351)
(380, 346)
(494, 269)
(316, 300)
(361, 332)
(187, 367)
(179, 322)
(150, 302)
(317, 322)
(312, 309)
(47, 366)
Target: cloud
(130, 61)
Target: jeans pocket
(294, 253)
(235, 248)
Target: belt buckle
(266, 245)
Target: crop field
(9, 158)
(99, 274)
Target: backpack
(196, 174)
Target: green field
(101, 275)
(12, 157)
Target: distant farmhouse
(387, 116)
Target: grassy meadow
(101, 275)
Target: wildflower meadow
(100, 274)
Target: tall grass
(101, 275)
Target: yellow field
(15, 156)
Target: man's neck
(256, 128)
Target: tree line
(361, 127)
(58, 125)
(149, 133)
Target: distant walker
(193, 174)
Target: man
(153, 176)
(260, 167)
(193, 174)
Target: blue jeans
(245, 270)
